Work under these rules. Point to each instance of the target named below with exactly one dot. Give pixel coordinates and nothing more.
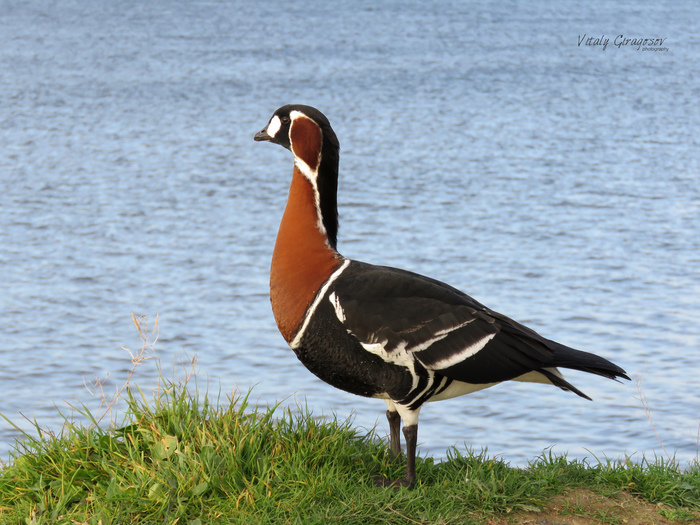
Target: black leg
(394, 431)
(410, 432)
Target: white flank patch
(459, 388)
(310, 312)
(463, 354)
(536, 377)
(339, 313)
(274, 126)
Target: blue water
(481, 145)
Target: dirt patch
(585, 507)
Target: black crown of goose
(382, 332)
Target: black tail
(566, 357)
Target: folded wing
(448, 332)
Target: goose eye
(285, 120)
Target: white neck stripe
(312, 177)
(306, 171)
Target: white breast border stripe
(319, 296)
(462, 354)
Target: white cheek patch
(274, 126)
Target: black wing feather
(407, 312)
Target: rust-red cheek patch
(306, 140)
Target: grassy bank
(180, 458)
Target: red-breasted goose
(382, 332)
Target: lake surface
(554, 181)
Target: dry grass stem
(146, 352)
(639, 383)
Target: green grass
(183, 458)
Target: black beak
(262, 135)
